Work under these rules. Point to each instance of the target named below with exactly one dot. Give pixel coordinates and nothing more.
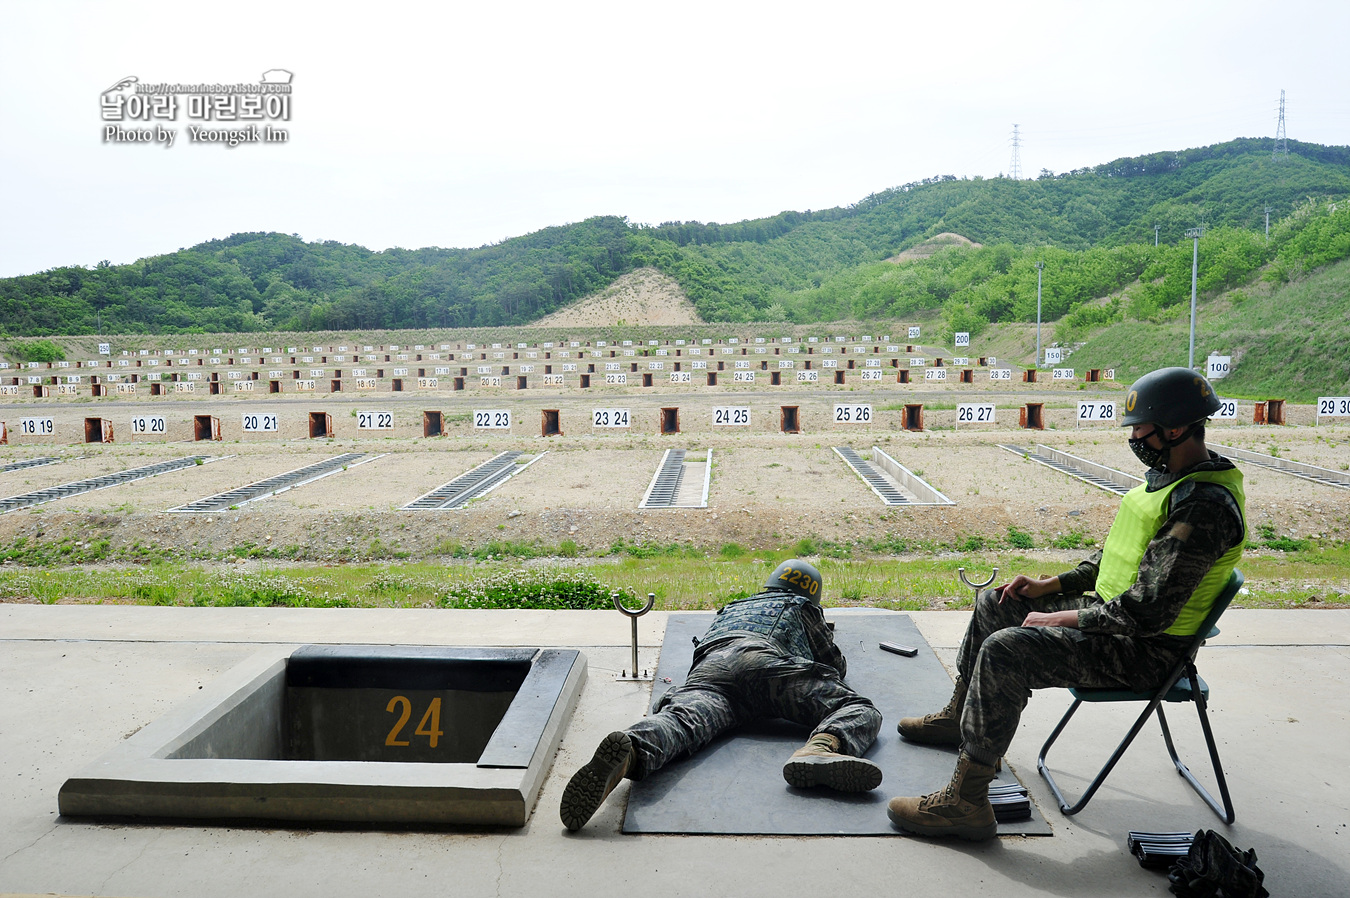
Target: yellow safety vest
(1137, 522)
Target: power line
(1015, 169)
(1281, 144)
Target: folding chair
(1183, 684)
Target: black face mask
(1157, 458)
(1152, 458)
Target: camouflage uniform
(768, 656)
(1118, 644)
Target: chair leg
(1064, 806)
(1224, 812)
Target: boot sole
(844, 774)
(968, 833)
(591, 785)
(927, 737)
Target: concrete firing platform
(735, 785)
(76, 681)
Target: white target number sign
(611, 417)
(374, 420)
(492, 418)
(154, 424)
(1096, 411)
(974, 413)
(852, 414)
(731, 416)
(1333, 406)
(255, 423)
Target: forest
(1094, 230)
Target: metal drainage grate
(1284, 465)
(30, 463)
(1105, 478)
(278, 484)
(872, 477)
(665, 486)
(97, 483)
(470, 485)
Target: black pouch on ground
(1215, 868)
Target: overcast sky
(460, 124)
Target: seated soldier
(767, 656)
(1169, 552)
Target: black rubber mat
(735, 785)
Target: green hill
(1092, 228)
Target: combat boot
(819, 763)
(940, 728)
(962, 809)
(591, 785)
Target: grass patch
(683, 578)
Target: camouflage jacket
(1204, 522)
(795, 624)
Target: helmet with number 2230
(801, 577)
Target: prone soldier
(770, 655)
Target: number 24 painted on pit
(430, 725)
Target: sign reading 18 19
(31, 427)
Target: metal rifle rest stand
(976, 586)
(633, 616)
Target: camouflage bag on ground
(1215, 869)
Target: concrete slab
(736, 785)
(261, 743)
(76, 680)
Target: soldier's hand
(1024, 587)
(1052, 619)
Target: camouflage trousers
(1001, 661)
(744, 680)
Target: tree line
(1094, 228)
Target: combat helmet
(1169, 397)
(797, 576)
